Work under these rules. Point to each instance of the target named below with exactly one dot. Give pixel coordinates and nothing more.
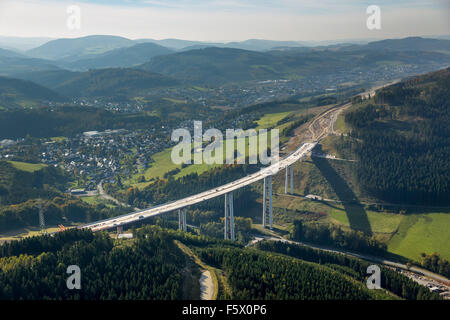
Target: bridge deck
(301, 152)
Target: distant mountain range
(406, 44)
(92, 46)
(108, 65)
(74, 49)
(122, 57)
(22, 43)
(221, 65)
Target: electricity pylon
(41, 217)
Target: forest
(334, 236)
(21, 190)
(402, 141)
(150, 267)
(57, 210)
(257, 275)
(356, 268)
(67, 121)
(17, 186)
(36, 268)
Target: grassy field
(58, 139)
(163, 163)
(417, 233)
(340, 124)
(271, 119)
(25, 233)
(405, 235)
(176, 101)
(97, 200)
(380, 222)
(420, 230)
(29, 167)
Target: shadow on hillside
(356, 214)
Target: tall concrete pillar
(229, 217)
(225, 234)
(292, 178)
(264, 203)
(286, 182)
(289, 180)
(267, 195)
(230, 199)
(270, 203)
(119, 230)
(182, 219)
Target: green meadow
(29, 167)
(426, 232)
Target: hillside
(71, 49)
(12, 65)
(263, 45)
(122, 57)
(149, 269)
(22, 43)
(411, 44)
(162, 260)
(113, 82)
(66, 121)
(174, 44)
(215, 65)
(17, 185)
(16, 93)
(49, 78)
(9, 53)
(223, 65)
(403, 142)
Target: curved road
(366, 257)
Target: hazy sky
(225, 20)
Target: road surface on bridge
(273, 169)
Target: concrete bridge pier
(267, 196)
(182, 219)
(291, 169)
(289, 178)
(229, 217)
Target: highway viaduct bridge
(226, 190)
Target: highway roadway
(273, 169)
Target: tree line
(332, 235)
